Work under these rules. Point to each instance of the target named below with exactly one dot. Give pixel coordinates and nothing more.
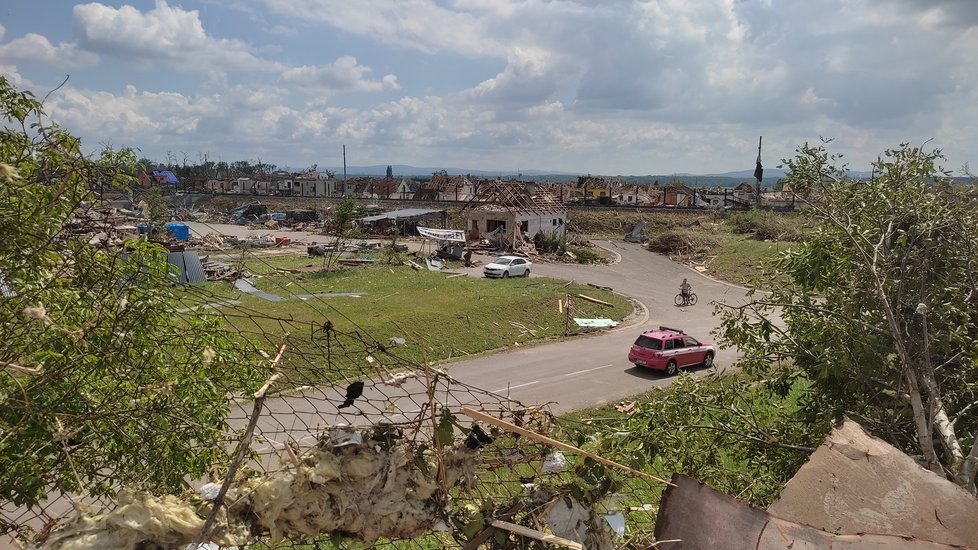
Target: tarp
(454, 235)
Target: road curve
(594, 370)
(567, 375)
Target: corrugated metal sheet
(189, 267)
(5, 290)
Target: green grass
(442, 319)
(740, 259)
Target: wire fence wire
(352, 443)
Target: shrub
(550, 241)
(764, 225)
(585, 255)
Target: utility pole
(344, 169)
(758, 174)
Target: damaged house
(507, 214)
(442, 187)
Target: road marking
(516, 386)
(588, 370)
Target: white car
(508, 266)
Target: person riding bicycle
(685, 290)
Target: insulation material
(140, 520)
(364, 492)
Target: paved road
(569, 375)
(595, 370)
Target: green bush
(550, 241)
(585, 255)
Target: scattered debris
(554, 463)
(635, 235)
(362, 491)
(244, 285)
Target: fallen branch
(537, 535)
(502, 424)
(243, 445)
(21, 368)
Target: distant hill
(725, 179)
(772, 173)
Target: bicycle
(689, 300)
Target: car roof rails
(680, 331)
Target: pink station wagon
(670, 349)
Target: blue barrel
(181, 231)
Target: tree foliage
(102, 381)
(878, 307)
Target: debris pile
(364, 491)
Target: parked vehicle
(508, 266)
(669, 349)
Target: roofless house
(507, 213)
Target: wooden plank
(595, 300)
(502, 424)
(537, 535)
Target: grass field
(440, 319)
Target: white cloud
(414, 24)
(606, 87)
(343, 75)
(163, 34)
(34, 48)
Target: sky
(612, 87)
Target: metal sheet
(856, 483)
(244, 286)
(694, 516)
(401, 214)
(5, 290)
(189, 267)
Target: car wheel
(708, 360)
(505, 274)
(671, 367)
(526, 273)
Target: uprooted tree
(879, 307)
(102, 382)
